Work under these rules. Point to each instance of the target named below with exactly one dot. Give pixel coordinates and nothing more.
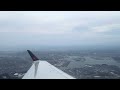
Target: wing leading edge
(44, 70)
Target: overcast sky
(59, 28)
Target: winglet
(34, 58)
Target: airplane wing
(44, 70)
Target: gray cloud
(59, 28)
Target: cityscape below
(79, 63)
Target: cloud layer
(59, 27)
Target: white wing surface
(44, 70)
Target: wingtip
(28, 50)
(34, 58)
